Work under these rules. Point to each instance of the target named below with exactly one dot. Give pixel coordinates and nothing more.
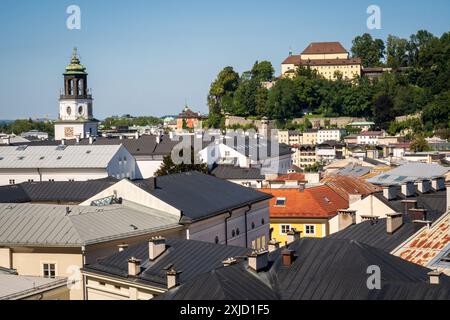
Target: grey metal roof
(374, 233)
(58, 191)
(192, 258)
(50, 225)
(353, 171)
(23, 157)
(14, 287)
(323, 269)
(199, 196)
(234, 172)
(434, 202)
(409, 172)
(144, 146)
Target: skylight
(281, 202)
(61, 148)
(21, 148)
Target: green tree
(397, 52)
(383, 111)
(262, 71)
(371, 51)
(282, 102)
(420, 145)
(169, 167)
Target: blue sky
(146, 57)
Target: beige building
(14, 287)
(327, 58)
(290, 137)
(310, 137)
(51, 241)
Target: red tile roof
(316, 202)
(324, 48)
(290, 177)
(346, 186)
(296, 60)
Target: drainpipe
(230, 213)
(246, 225)
(40, 174)
(83, 277)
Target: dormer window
(280, 202)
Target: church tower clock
(75, 104)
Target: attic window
(281, 202)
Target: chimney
(390, 192)
(273, 245)
(67, 211)
(287, 257)
(409, 189)
(63, 142)
(293, 235)
(352, 198)
(229, 262)
(171, 135)
(301, 187)
(91, 139)
(448, 195)
(88, 134)
(152, 183)
(134, 267)
(121, 137)
(438, 183)
(77, 139)
(258, 260)
(173, 278)
(394, 222)
(136, 135)
(435, 277)
(156, 247)
(424, 186)
(417, 214)
(122, 247)
(346, 218)
(409, 204)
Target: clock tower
(75, 104)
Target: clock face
(69, 110)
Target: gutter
(246, 224)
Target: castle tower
(75, 104)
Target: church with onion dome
(76, 119)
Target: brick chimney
(293, 235)
(156, 247)
(134, 267)
(152, 183)
(409, 189)
(417, 214)
(394, 222)
(258, 260)
(287, 257)
(409, 204)
(122, 247)
(390, 192)
(273, 245)
(435, 277)
(173, 278)
(424, 186)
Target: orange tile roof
(428, 243)
(295, 176)
(316, 202)
(324, 48)
(346, 185)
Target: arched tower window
(71, 87)
(80, 87)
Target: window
(281, 202)
(310, 229)
(253, 225)
(12, 181)
(71, 180)
(263, 222)
(238, 231)
(51, 180)
(102, 284)
(233, 233)
(30, 180)
(49, 270)
(285, 228)
(118, 287)
(216, 240)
